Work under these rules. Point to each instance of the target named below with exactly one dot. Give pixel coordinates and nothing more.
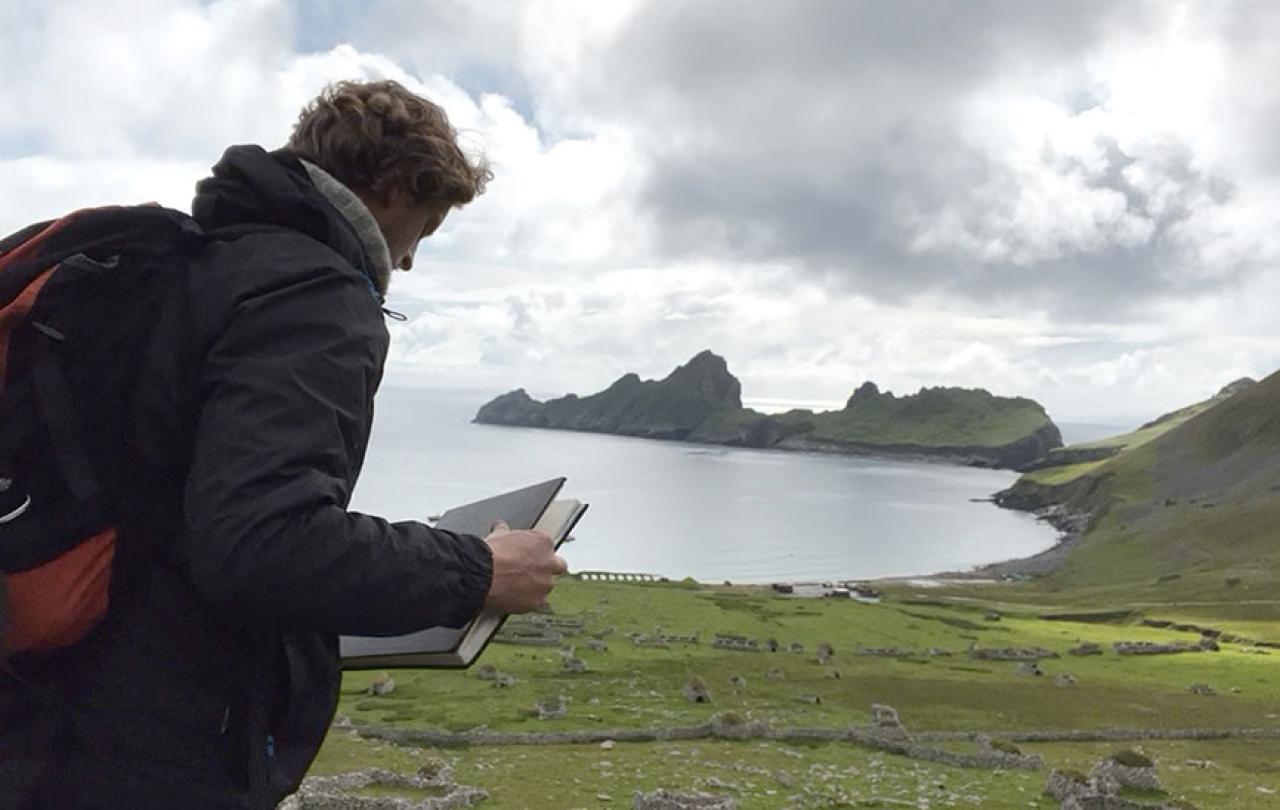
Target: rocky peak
(867, 391)
(706, 376)
(1236, 387)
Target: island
(701, 402)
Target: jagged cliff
(702, 402)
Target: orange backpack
(76, 301)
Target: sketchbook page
(519, 509)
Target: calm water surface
(687, 510)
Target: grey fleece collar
(357, 213)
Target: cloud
(1077, 202)
(1070, 156)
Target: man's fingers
(498, 527)
(559, 566)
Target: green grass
(634, 687)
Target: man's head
(394, 149)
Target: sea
(684, 510)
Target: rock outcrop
(702, 402)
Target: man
(213, 679)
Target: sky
(1077, 202)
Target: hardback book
(534, 507)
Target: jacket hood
(251, 186)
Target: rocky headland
(701, 401)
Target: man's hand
(524, 569)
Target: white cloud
(1152, 136)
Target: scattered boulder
(1202, 689)
(382, 684)
(608, 745)
(835, 673)
(771, 644)
(775, 673)
(810, 698)
(991, 616)
(503, 681)
(795, 647)
(597, 645)
(1029, 668)
(695, 689)
(738, 681)
(1064, 679)
(575, 665)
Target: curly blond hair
(378, 138)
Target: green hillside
(1190, 509)
(934, 417)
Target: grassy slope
(1198, 503)
(631, 686)
(938, 417)
(1066, 473)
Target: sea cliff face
(702, 402)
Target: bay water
(711, 513)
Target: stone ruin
(825, 653)
(339, 792)
(497, 679)
(795, 647)
(771, 644)
(565, 625)
(529, 634)
(1126, 769)
(1064, 679)
(1029, 668)
(669, 800)
(885, 652)
(1064, 784)
(731, 642)
(738, 681)
(937, 652)
(551, 707)
(1166, 648)
(574, 664)
(382, 684)
(1098, 790)
(775, 673)
(645, 640)
(1086, 648)
(1011, 653)
(810, 699)
(696, 691)
(1202, 689)
(597, 645)
(884, 716)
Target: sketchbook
(534, 507)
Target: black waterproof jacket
(215, 676)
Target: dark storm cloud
(832, 135)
